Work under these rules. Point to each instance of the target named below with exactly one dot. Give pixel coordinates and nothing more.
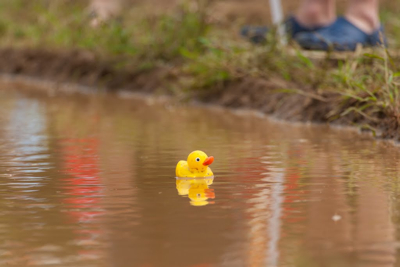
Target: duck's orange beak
(208, 161)
(209, 193)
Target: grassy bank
(204, 58)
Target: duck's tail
(182, 165)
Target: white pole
(277, 18)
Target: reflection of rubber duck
(197, 190)
(195, 166)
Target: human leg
(310, 16)
(312, 13)
(364, 14)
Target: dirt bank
(85, 68)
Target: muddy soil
(85, 68)
(82, 67)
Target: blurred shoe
(257, 34)
(342, 35)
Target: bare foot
(104, 10)
(364, 15)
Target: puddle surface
(90, 182)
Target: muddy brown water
(89, 181)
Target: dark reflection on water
(90, 182)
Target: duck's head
(198, 160)
(199, 193)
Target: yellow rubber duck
(196, 166)
(196, 189)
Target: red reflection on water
(292, 190)
(83, 190)
(253, 173)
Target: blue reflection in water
(25, 155)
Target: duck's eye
(198, 159)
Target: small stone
(336, 217)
